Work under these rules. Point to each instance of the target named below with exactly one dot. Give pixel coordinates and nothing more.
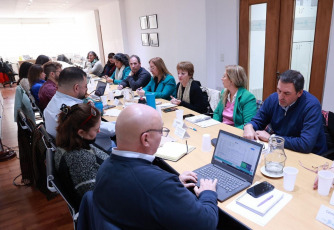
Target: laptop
(99, 91)
(233, 163)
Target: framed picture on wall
(153, 21)
(143, 22)
(145, 40)
(154, 39)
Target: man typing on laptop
(133, 193)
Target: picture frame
(153, 21)
(145, 41)
(154, 39)
(143, 22)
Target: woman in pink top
(237, 105)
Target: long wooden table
(299, 213)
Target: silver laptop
(99, 91)
(233, 163)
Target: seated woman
(76, 159)
(122, 69)
(162, 83)
(188, 91)
(93, 65)
(36, 78)
(23, 76)
(237, 105)
(110, 67)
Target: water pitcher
(275, 158)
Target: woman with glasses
(122, 69)
(188, 91)
(93, 65)
(36, 78)
(237, 105)
(77, 160)
(162, 83)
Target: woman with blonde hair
(162, 83)
(188, 91)
(237, 105)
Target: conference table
(299, 213)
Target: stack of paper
(202, 120)
(173, 151)
(112, 112)
(262, 204)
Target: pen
(192, 128)
(265, 200)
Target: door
(275, 36)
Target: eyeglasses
(164, 131)
(92, 114)
(316, 169)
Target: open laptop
(99, 91)
(233, 163)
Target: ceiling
(47, 8)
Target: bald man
(72, 89)
(133, 193)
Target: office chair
(35, 108)
(52, 179)
(329, 133)
(90, 217)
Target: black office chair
(53, 181)
(329, 133)
(35, 108)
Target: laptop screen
(100, 88)
(237, 152)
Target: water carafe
(275, 158)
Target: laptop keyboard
(225, 180)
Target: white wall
(327, 101)
(181, 29)
(51, 37)
(111, 28)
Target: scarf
(119, 73)
(93, 62)
(186, 94)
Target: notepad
(262, 204)
(202, 120)
(173, 151)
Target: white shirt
(107, 129)
(130, 154)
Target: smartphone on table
(167, 110)
(260, 189)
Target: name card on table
(180, 129)
(326, 216)
(117, 102)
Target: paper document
(112, 112)
(202, 120)
(167, 105)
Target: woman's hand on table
(140, 91)
(109, 80)
(175, 101)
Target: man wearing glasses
(132, 193)
(52, 71)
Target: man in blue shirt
(139, 77)
(292, 113)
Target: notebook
(233, 163)
(99, 91)
(202, 120)
(173, 151)
(262, 204)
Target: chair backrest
(53, 181)
(22, 102)
(213, 97)
(90, 217)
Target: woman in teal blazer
(162, 83)
(235, 97)
(122, 69)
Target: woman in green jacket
(162, 83)
(122, 69)
(237, 105)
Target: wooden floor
(24, 207)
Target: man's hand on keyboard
(188, 179)
(206, 184)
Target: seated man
(293, 113)
(49, 88)
(139, 77)
(72, 89)
(133, 193)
